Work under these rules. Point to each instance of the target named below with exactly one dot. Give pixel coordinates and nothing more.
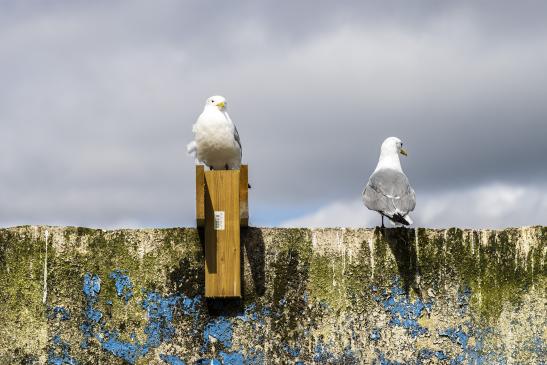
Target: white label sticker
(219, 220)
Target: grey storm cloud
(98, 98)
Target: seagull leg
(383, 222)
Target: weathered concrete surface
(333, 296)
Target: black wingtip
(398, 218)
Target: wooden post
(222, 208)
(200, 196)
(244, 195)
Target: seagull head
(216, 101)
(393, 145)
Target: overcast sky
(98, 98)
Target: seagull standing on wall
(388, 191)
(216, 141)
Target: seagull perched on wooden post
(388, 191)
(216, 141)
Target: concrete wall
(334, 296)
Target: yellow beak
(221, 104)
(403, 152)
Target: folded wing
(389, 192)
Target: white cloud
(337, 214)
(488, 206)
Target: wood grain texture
(200, 196)
(244, 195)
(222, 247)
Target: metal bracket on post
(222, 209)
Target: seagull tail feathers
(192, 148)
(408, 219)
(399, 218)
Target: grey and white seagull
(388, 190)
(216, 141)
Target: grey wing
(236, 134)
(390, 192)
(236, 137)
(407, 203)
(374, 200)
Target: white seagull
(388, 191)
(216, 141)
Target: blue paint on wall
(58, 350)
(208, 362)
(249, 313)
(464, 296)
(474, 354)
(539, 347)
(92, 285)
(221, 330)
(403, 312)
(255, 357)
(61, 312)
(59, 353)
(292, 351)
(159, 328)
(232, 358)
(190, 305)
(172, 359)
(125, 350)
(266, 311)
(254, 316)
(456, 335)
(384, 361)
(323, 355)
(426, 354)
(91, 290)
(124, 287)
(375, 334)
(160, 317)
(160, 314)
